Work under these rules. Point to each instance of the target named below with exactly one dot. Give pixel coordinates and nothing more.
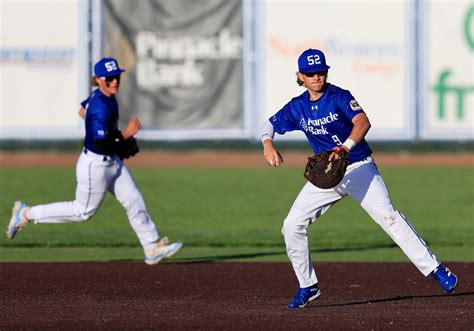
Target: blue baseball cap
(312, 60)
(107, 67)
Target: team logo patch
(355, 105)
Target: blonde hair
(298, 80)
(93, 81)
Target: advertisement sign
(368, 45)
(448, 62)
(184, 66)
(217, 69)
(42, 69)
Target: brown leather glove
(323, 173)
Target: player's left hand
(338, 152)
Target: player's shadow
(224, 257)
(384, 300)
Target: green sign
(469, 28)
(443, 88)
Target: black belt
(105, 157)
(364, 159)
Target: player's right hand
(272, 156)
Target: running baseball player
(332, 120)
(100, 169)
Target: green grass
(236, 215)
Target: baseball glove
(324, 173)
(128, 148)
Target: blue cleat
(18, 219)
(446, 279)
(162, 250)
(304, 296)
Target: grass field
(236, 215)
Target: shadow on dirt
(397, 298)
(217, 258)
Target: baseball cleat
(162, 250)
(446, 279)
(18, 219)
(304, 296)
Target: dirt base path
(231, 296)
(232, 158)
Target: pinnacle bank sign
(179, 61)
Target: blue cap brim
(113, 73)
(313, 69)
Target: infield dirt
(229, 296)
(229, 158)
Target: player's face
(109, 85)
(314, 81)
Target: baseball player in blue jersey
(100, 169)
(333, 120)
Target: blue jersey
(101, 117)
(326, 122)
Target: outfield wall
(217, 69)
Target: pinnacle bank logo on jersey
(179, 61)
(316, 126)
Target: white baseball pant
(96, 175)
(365, 185)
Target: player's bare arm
(361, 127)
(82, 113)
(132, 128)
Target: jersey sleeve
(98, 120)
(85, 103)
(349, 105)
(283, 121)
